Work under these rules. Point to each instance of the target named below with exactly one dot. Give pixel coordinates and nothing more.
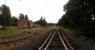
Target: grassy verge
(79, 43)
(15, 30)
(11, 30)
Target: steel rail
(49, 41)
(45, 40)
(62, 41)
(61, 37)
(67, 40)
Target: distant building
(25, 24)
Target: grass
(14, 30)
(67, 29)
(11, 30)
(36, 37)
(82, 42)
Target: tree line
(6, 19)
(80, 15)
(41, 22)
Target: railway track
(15, 38)
(12, 42)
(22, 36)
(56, 40)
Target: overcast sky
(51, 10)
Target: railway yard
(36, 39)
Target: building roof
(23, 21)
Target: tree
(0, 19)
(14, 21)
(79, 14)
(42, 21)
(21, 16)
(26, 17)
(5, 16)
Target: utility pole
(5, 2)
